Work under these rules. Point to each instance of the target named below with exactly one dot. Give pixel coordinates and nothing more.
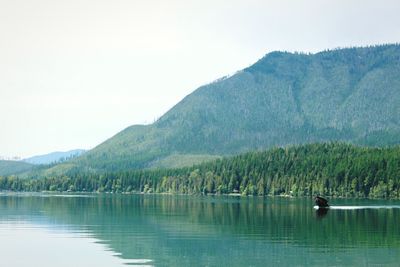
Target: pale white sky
(73, 73)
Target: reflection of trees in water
(138, 225)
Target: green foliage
(179, 161)
(332, 169)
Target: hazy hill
(8, 167)
(54, 157)
(350, 94)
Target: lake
(164, 230)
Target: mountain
(350, 95)
(54, 157)
(8, 167)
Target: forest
(329, 169)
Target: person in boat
(321, 202)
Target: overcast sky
(74, 73)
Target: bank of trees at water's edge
(330, 169)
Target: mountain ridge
(53, 157)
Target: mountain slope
(53, 157)
(351, 95)
(8, 167)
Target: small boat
(321, 202)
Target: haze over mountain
(54, 157)
(350, 94)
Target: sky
(74, 73)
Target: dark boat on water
(321, 202)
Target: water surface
(162, 230)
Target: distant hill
(8, 167)
(350, 95)
(54, 157)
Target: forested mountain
(352, 95)
(331, 169)
(54, 157)
(8, 167)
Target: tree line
(330, 169)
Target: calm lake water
(161, 230)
